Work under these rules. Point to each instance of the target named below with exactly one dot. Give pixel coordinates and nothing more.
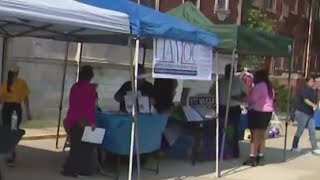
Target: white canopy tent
(59, 19)
(65, 20)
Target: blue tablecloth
(118, 131)
(317, 118)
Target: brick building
(292, 20)
(291, 17)
(206, 6)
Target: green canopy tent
(236, 39)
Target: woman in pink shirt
(261, 106)
(81, 113)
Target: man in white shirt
(238, 93)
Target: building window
(193, 1)
(318, 12)
(293, 6)
(149, 3)
(221, 4)
(269, 4)
(306, 9)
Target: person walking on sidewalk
(13, 92)
(304, 115)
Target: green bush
(281, 95)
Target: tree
(257, 19)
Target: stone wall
(42, 63)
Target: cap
(14, 68)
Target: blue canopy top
(145, 21)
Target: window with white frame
(149, 3)
(221, 3)
(195, 2)
(270, 5)
(318, 12)
(293, 6)
(306, 9)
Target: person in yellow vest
(13, 92)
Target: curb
(43, 136)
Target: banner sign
(208, 102)
(181, 60)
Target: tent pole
(217, 115)
(136, 138)
(62, 93)
(144, 56)
(227, 110)
(134, 81)
(4, 57)
(133, 108)
(80, 60)
(291, 60)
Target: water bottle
(14, 120)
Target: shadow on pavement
(38, 164)
(272, 156)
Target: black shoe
(85, 174)
(250, 162)
(11, 162)
(69, 174)
(260, 160)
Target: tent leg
(80, 61)
(136, 109)
(144, 56)
(227, 111)
(4, 57)
(62, 94)
(134, 136)
(217, 115)
(288, 105)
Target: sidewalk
(40, 159)
(43, 133)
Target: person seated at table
(145, 87)
(164, 91)
(238, 94)
(81, 113)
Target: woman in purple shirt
(261, 107)
(81, 113)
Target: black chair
(8, 141)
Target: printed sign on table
(181, 60)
